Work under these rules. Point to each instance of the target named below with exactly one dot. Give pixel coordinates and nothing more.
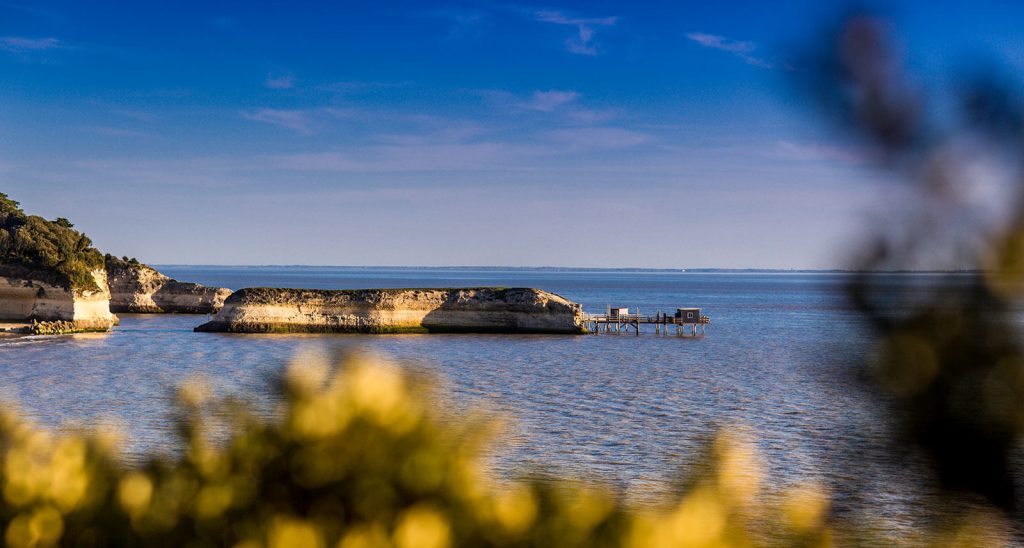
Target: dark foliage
(51, 251)
(115, 264)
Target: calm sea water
(629, 409)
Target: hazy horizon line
(575, 268)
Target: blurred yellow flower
(422, 527)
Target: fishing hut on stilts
(685, 321)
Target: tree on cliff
(8, 205)
(52, 251)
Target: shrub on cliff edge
(116, 264)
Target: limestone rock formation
(25, 296)
(50, 272)
(475, 310)
(138, 288)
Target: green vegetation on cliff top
(51, 251)
(278, 295)
(115, 264)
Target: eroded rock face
(475, 310)
(138, 288)
(26, 299)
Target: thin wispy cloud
(460, 146)
(163, 93)
(461, 22)
(817, 152)
(190, 171)
(436, 153)
(20, 44)
(742, 49)
(357, 86)
(283, 81)
(115, 131)
(548, 101)
(597, 138)
(591, 116)
(566, 103)
(137, 115)
(400, 158)
(583, 42)
(298, 121)
(435, 131)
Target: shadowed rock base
(62, 327)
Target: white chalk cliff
(24, 298)
(138, 288)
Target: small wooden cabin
(618, 312)
(688, 315)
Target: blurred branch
(950, 359)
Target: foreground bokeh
(359, 457)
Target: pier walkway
(663, 323)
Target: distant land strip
(585, 269)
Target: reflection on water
(630, 409)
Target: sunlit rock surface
(471, 310)
(26, 297)
(138, 288)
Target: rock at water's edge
(469, 310)
(26, 298)
(139, 288)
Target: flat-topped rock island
(442, 310)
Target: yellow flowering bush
(358, 458)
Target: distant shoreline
(581, 269)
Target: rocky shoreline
(53, 281)
(44, 308)
(52, 276)
(425, 310)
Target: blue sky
(662, 134)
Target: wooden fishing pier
(685, 322)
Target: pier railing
(616, 323)
(663, 319)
